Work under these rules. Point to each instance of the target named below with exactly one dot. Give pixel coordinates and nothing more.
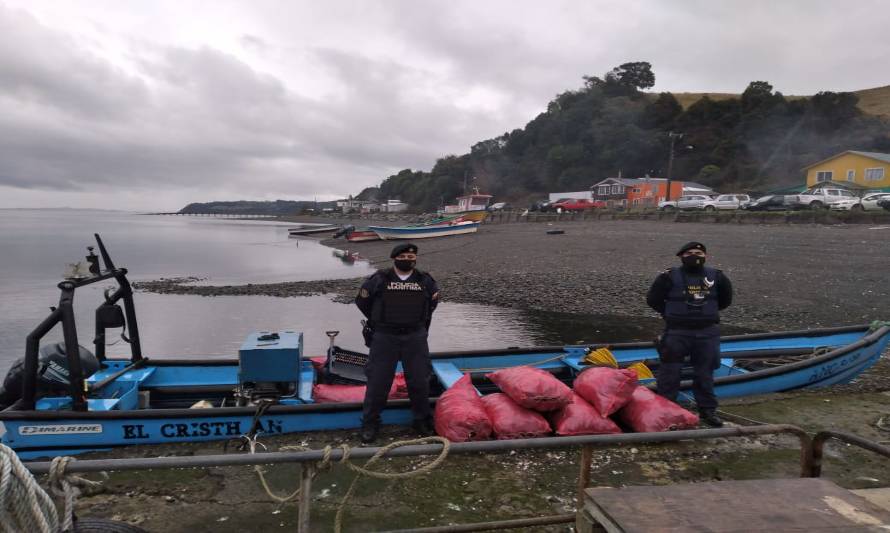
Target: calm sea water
(36, 246)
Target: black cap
(692, 246)
(407, 247)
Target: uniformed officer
(689, 298)
(398, 303)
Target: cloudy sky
(151, 105)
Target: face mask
(693, 262)
(405, 265)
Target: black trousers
(702, 346)
(387, 349)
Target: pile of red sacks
(533, 403)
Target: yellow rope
(601, 357)
(446, 445)
(643, 371)
(360, 471)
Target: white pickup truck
(820, 198)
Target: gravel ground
(785, 276)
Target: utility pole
(673, 137)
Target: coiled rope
(878, 324)
(67, 487)
(25, 506)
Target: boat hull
(473, 216)
(826, 357)
(312, 230)
(424, 232)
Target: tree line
(757, 141)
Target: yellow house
(866, 169)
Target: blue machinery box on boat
(270, 357)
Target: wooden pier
(803, 504)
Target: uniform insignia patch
(363, 293)
(708, 283)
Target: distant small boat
(424, 232)
(346, 256)
(362, 235)
(470, 206)
(309, 230)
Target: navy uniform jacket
(374, 285)
(658, 292)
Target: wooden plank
(805, 504)
(879, 497)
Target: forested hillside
(755, 141)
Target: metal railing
(810, 460)
(823, 436)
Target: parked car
(820, 198)
(870, 201)
(772, 202)
(576, 204)
(696, 201)
(499, 206)
(540, 205)
(667, 205)
(731, 201)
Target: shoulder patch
(363, 293)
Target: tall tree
(638, 75)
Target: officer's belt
(397, 330)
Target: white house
(394, 206)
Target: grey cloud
(190, 121)
(207, 119)
(40, 66)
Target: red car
(576, 204)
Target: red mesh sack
(399, 389)
(460, 415)
(580, 418)
(649, 412)
(532, 388)
(607, 389)
(324, 393)
(512, 421)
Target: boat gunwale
(558, 348)
(867, 340)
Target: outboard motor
(52, 373)
(344, 230)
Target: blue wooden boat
(423, 232)
(106, 402)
